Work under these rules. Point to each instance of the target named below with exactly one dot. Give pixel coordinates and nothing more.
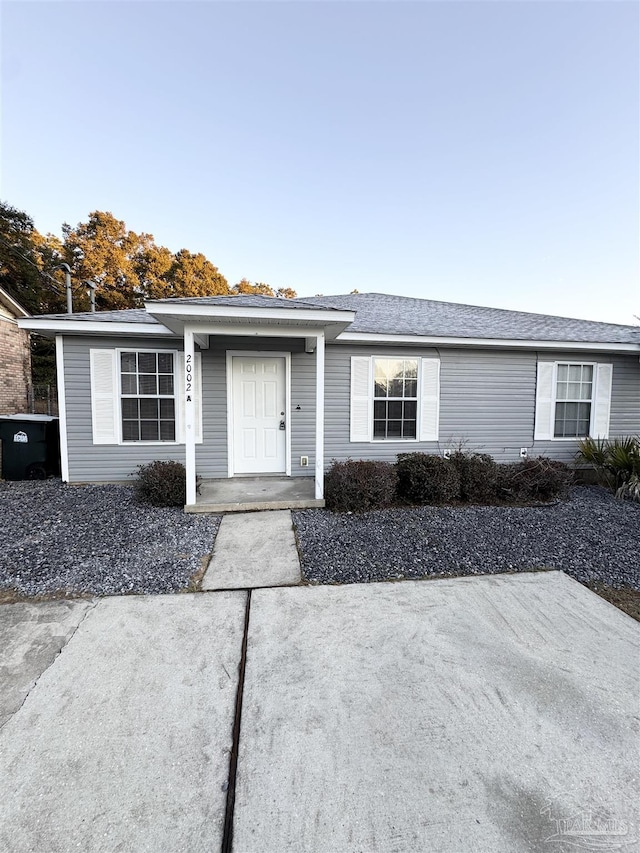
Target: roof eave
(490, 343)
(176, 316)
(12, 305)
(50, 328)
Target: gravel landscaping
(96, 540)
(591, 537)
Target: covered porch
(258, 338)
(247, 494)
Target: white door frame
(287, 406)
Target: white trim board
(62, 410)
(190, 310)
(493, 343)
(95, 327)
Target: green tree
(129, 268)
(245, 287)
(194, 275)
(103, 250)
(152, 266)
(20, 259)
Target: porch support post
(189, 415)
(320, 416)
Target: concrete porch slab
(246, 494)
(254, 550)
(487, 714)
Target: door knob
(281, 424)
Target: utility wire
(41, 272)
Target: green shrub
(630, 490)
(360, 485)
(162, 484)
(539, 479)
(427, 479)
(623, 458)
(478, 476)
(615, 462)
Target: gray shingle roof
(243, 300)
(380, 313)
(126, 315)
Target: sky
(477, 152)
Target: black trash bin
(30, 446)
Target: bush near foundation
(616, 461)
(162, 484)
(424, 478)
(533, 480)
(360, 485)
(478, 476)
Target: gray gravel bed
(591, 537)
(97, 540)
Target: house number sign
(188, 377)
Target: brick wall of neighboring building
(15, 367)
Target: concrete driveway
(477, 714)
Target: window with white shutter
(104, 396)
(138, 396)
(394, 398)
(573, 400)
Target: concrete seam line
(227, 835)
(89, 609)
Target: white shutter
(361, 396)
(104, 396)
(545, 401)
(602, 401)
(430, 399)
(197, 395)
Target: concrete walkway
(488, 714)
(254, 549)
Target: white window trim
(419, 401)
(594, 368)
(162, 442)
(417, 398)
(592, 402)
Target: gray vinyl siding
(89, 462)
(487, 402)
(107, 463)
(337, 441)
(625, 401)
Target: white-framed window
(573, 400)
(574, 396)
(394, 398)
(137, 396)
(147, 396)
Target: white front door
(259, 415)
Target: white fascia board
(93, 327)
(10, 303)
(255, 331)
(199, 313)
(495, 343)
